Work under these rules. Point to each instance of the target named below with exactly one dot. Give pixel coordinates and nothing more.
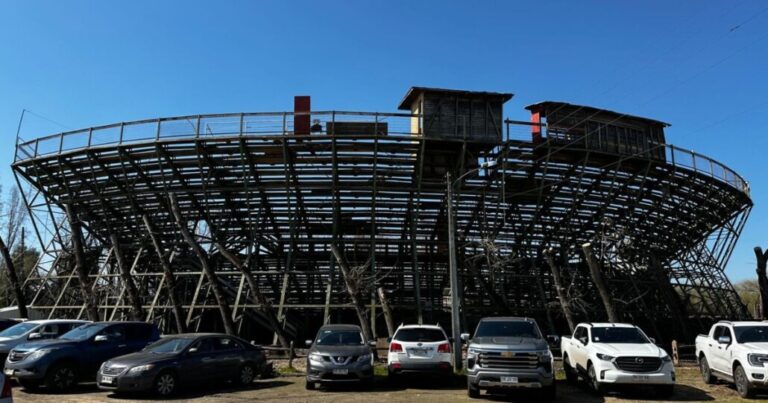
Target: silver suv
(509, 353)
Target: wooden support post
(14, 278)
(80, 264)
(762, 279)
(675, 353)
(218, 293)
(561, 294)
(170, 280)
(264, 305)
(353, 290)
(137, 313)
(387, 312)
(597, 277)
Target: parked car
(735, 352)
(6, 323)
(183, 359)
(6, 392)
(614, 354)
(339, 353)
(34, 330)
(76, 355)
(509, 353)
(417, 349)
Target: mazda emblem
(639, 360)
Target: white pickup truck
(735, 352)
(615, 353)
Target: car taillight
(395, 347)
(6, 388)
(444, 348)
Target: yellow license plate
(507, 354)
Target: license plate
(8, 372)
(418, 351)
(340, 371)
(107, 379)
(508, 379)
(641, 377)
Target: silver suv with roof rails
(509, 353)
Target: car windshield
(419, 334)
(169, 346)
(625, 335)
(339, 338)
(83, 332)
(494, 328)
(748, 334)
(17, 330)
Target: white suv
(419, 349)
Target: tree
(749, 292)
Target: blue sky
(699, 65)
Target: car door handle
(122, 345)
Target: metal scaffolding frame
(278, 200)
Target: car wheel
(665, 390)
(570, 373)
(61, 377)
(246, 375)
(742, 383)
(473, 391)
(597, 387)
(165, 383)
(309, 385)
(706, 373)
(30, 384)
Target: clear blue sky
(700, 65)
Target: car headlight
(141, 368)
(316, 357)
(37, 354)
(605, 357)
(365, 357)
(545, 356)
(471, 351)
(757, 359)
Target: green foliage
(749, 292)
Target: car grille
(17, 356)
(508, 360)
(112, 370)
(638, 364)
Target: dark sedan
(183, 359)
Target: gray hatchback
(339, 354)
(183, 359)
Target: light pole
(452, 266)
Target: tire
(597, 387)
(31, 384)
(706, 372)
(571, 376)
(473, 391)
(665, 390)
(743, 386)
(61, 377)
(165, 384)
(309, 385)
(393, 377)
(246, 375)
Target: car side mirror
(372, 343)
(583, 340)
(100, 338)
(465, 337)
(553, 339)
(34, 336)
(724, 339)
(308, 342)
(652, 340)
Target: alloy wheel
(246, 375)
(63, 378)
(165, 384)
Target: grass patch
(288, 371)
(380, 370)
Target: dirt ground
(290, 388)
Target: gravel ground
(290, 388)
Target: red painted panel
(536, 128)
(301, 103)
